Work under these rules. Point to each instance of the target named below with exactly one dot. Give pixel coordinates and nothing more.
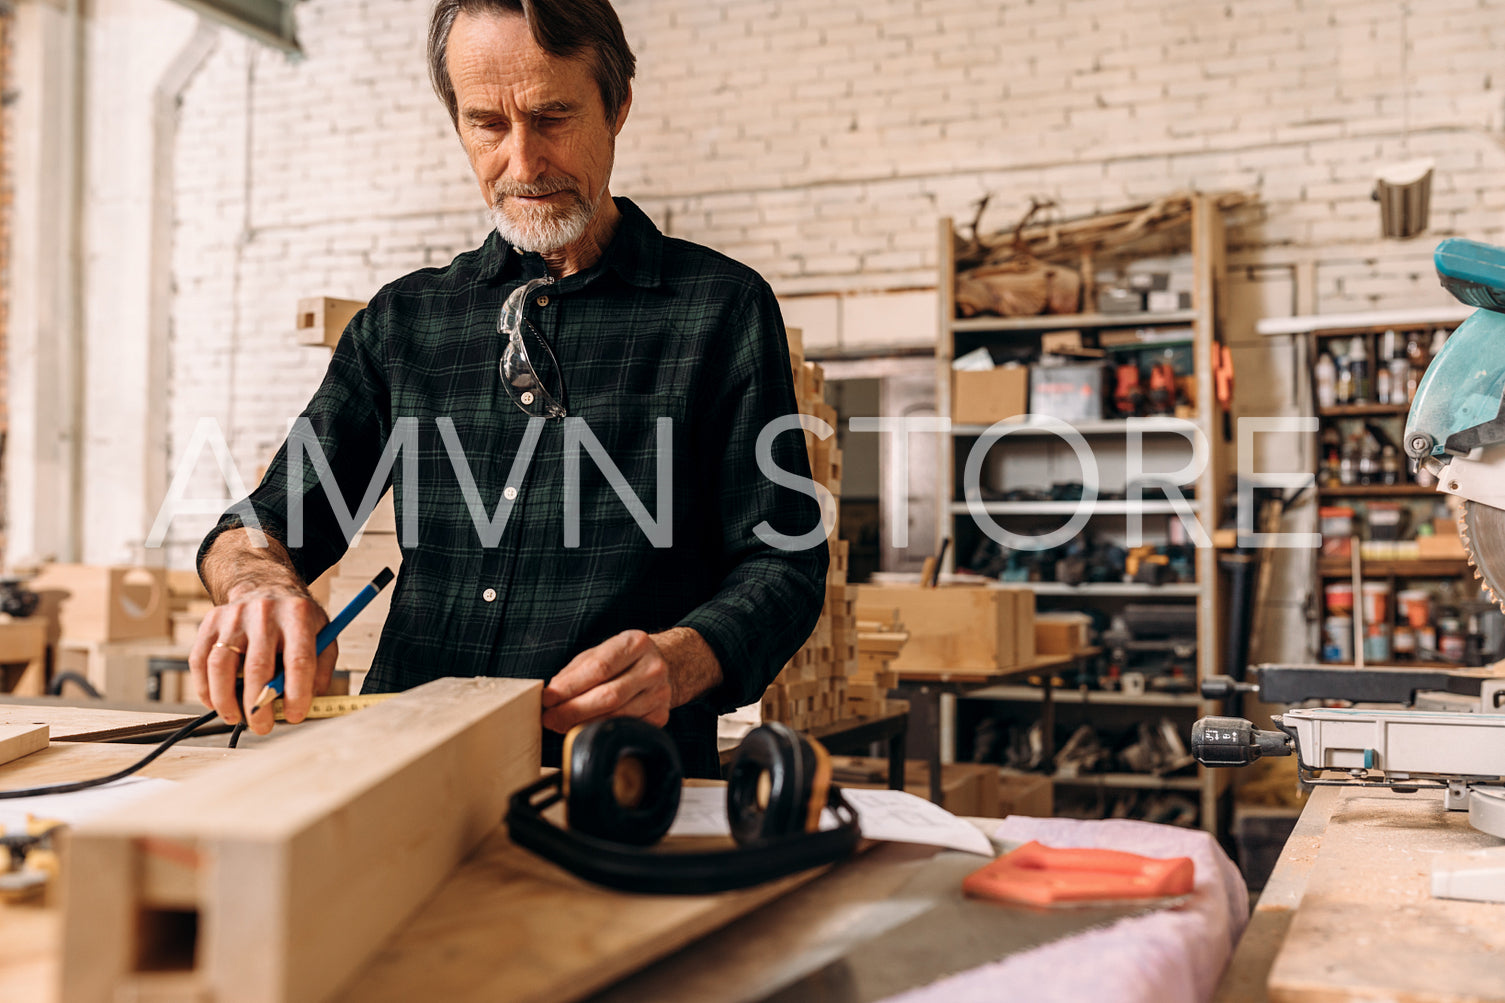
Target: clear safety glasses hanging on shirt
(530, 372)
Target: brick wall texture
(819, 140)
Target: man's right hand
(263, 612)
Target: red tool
(1163, 388)
(1127, 395)
(1039, 875)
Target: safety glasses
(529, 370)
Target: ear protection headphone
(620, 783)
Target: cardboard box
(94, 603)
(981, 398)
(1070, 393)
(963, 628)
(1061, 633)
(1025, 794)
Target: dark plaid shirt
(658, 328)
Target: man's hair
(563, 28)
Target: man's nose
(526, 161)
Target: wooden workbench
(1348, 913)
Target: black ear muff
(622, 780)
(771, 790)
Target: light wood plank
(303, 857)
(86, 724)
(17, 740)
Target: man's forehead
(489, 52)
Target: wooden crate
(951, 629)
(1061, 633)
(97, 603)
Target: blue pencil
(331, 630)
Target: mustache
(543, 186)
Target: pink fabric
(1169, 956)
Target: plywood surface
(510, 926)
(86, 724)
(31, 935)
(1367, 927)
(18, 740)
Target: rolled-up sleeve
(771, 596)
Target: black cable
(55, 688)
(240, 726)
(79, 785)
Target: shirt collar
(635, 253)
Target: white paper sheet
(896, 816)
(79, 805)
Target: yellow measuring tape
(335, 706)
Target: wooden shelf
(1435, 567)
(1098, 507)
(1144, 781)
(1098, 589)
(1362, 410)
(1066, 697)
(1165, 425)
(1375, 491)
(1068, 321)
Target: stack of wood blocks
(812, 688)
(374, 548)
(878, 644)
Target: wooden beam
(277, 876)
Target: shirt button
(489, 595)
(542, 301)
(527, 397)
(509, 492)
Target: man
(527, 560)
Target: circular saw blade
(1483, 530)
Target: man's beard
(540, 227)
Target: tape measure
(335, 706)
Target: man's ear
(616, 128)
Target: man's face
(534, 128)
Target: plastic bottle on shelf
(1439, 338)
(1327, 381)
(1343, 385)
(1382, 384)
(1389, 466)
(1348, 464)
(1416, 359)
(1358, 362)
(1369, 460)
(1401, 388)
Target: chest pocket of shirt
(621, 431)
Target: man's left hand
(634, 674)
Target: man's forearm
(235, 568)
(693, 667)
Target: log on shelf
(277, 876)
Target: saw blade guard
(1462, 389)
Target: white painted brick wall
(818, 140)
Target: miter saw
(1456, 431)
